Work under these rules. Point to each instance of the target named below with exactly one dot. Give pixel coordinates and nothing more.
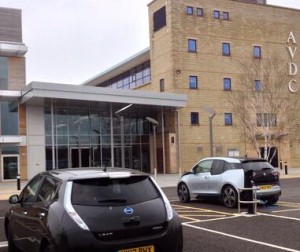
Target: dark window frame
(226, 50)
(257, 85)
(189, 10)
(257, 52)
(159, 19)
(195, 118)
(227, 84)
(225, 15)
(200, 12)
(192, 45)
(228, 119)
(193, 82)
(217, 14)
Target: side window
(217, 167)
(30, 192)
(49, 189)
(204, 166)
(192, 45)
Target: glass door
(10, 166)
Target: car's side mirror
(14, 199)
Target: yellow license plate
(139, 249)
(265, 187)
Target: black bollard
(285, 168)
(280, 164)
(249, 193)
(18, 182)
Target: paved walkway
(163, 180)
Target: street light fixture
(211, 114)
(154, 124)
(122, 133)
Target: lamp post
(154, 124)
(122, 133)
(211, 114)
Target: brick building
(195, 49)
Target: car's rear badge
(128, 210)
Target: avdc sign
(292, 66)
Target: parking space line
(241, 238)
(194, 215)
(202, 209)
(280, 217)
(286, 210)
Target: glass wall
(9, 126)
(90, 135)
(135, 77)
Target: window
(217, 167)
(266, 120)
(192, 45)
(189, 10)
(193, 82)
(194, 118)
(257, 52)
(226, 49)
(105, 191)
(49, 190)
(200, 12)
(258, 86)
(225, 15)
(159, 19)
(3, 73)
(228, 119)
(30, 192)
(216, 14)
(203, 166)
(162, 85)
(227, 84)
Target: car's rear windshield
(117, 191)
(255, 165)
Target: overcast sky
(70, 41)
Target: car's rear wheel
(229, 196)
(183, 193)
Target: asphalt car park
(209, 226)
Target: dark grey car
(92, 210)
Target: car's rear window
(256, 165)
(117, 191)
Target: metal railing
(253, 201)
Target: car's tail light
(169, 209)
(69, 208)
(276, 173)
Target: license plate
(265, 187)
(139, 249)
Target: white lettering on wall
(292, 67)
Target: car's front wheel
(183, 193)
(229, 196)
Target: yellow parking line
(204, 209)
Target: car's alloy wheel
(183, 193)
(229, 196)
